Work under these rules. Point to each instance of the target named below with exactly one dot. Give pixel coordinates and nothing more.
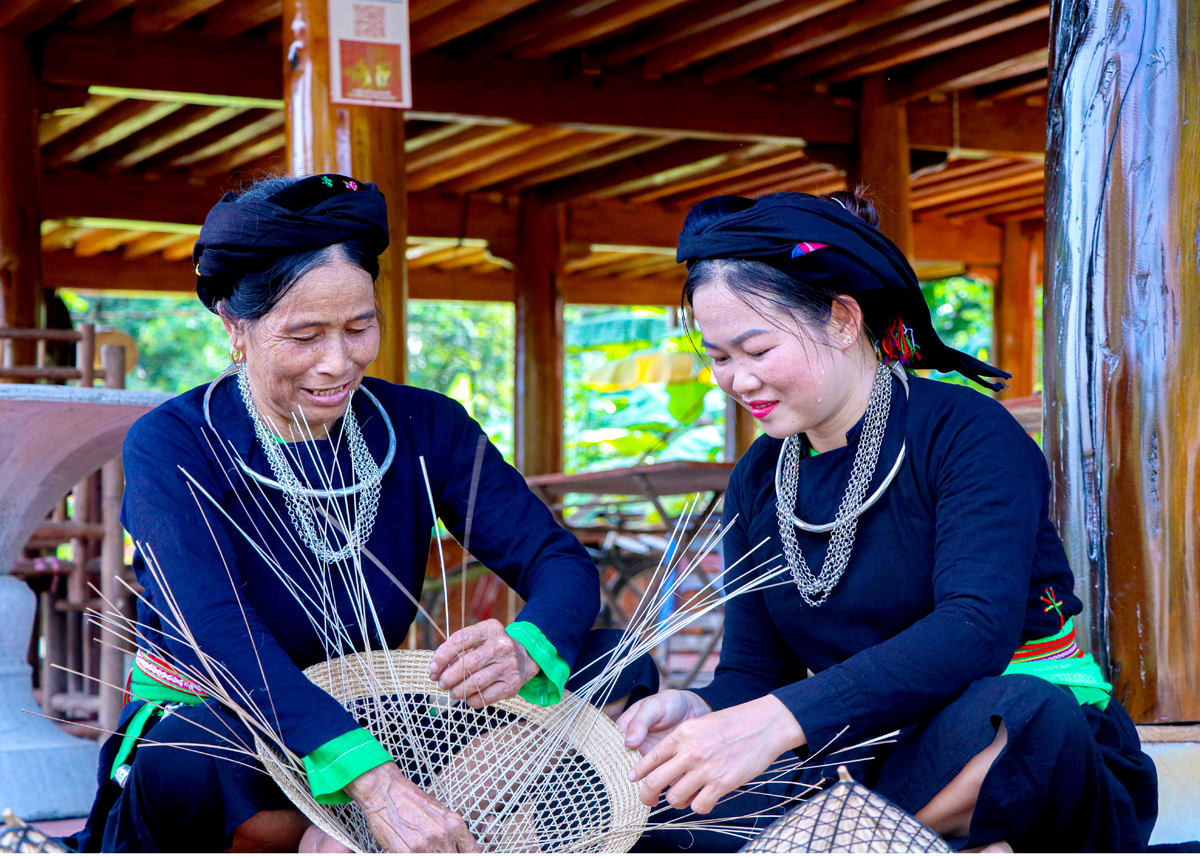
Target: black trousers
(1070, 778)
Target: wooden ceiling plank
(958, 170)
(23, 17)
(234, 17)
(479, 136)
(149, 244)
(530, 160)
(468, 258)
(828, 29)
(544, 19)
(158, 16)
(735, 165)
(973, 206)
(949, 70)
(969, 191)
(912, 27)
(966, 177)
(593, 27)
(434, 257)
(50, 128)
(594, 259)
(961, 36)
(420, 9)
(1000, 73)
(111, 126)
(695, 18)
(458, 20)
(582, 163)
(435, 135)
(61, 237)
(89, 13)
(1032, 212)
(98, 241)
(741, 31)
(179, 250)
(625, 174)
(747, 185)
(1036, 81)
(481, 157)
(629, 262)
(264, 144)
(183, 124)
(222, 138)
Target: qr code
(369, 22)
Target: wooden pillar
(1122, 339)
(740, 430)
(883, 161)
(112, 560)
(365, 142)
(1013, 311)
(20, 212)
(539, 338)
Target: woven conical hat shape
(847, 817)
(525, 777)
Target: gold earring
(236, 355)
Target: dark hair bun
(855, 203)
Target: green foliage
(961, 308)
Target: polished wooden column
(539, 338)
(740, 430)
(20, 216)
(884, 161)
(365, 142)
(1122, 343)
(1014, 312)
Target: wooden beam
(629, 173)
(959, 68)
(750, 185)
(20, 217)
(89, 13)
(973, 241)
(1018, 87)
(884, 162)
(553, 152)
(52, 127)
(984, 203)
(1000, 127)
(250, 152)
(736, 33)
(107, 129)
(471, 137)
(230, 134)
(911, 27)
(1013, 309)
(592, 27)
(485, 156)
(582, 163)
(158, 16)
(543, 20)
(539, 338)
(459, 19)
(734, 165)
(234, 17)
(537, 92)
(22, 17)
(832, 27)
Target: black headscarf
(314, 212)
(856, 259)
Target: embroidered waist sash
(1058, 660)
(157, 683)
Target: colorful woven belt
(1058, 660)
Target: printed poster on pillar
(369, 52)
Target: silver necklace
(302, 503)
(814, 589)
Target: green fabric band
(545, 688)
(156, 694)
(1080, 675)
(333, 765)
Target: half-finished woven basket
(847, 817)
(525, 777)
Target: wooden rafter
(482, 157)
(1000, 180)
(179, 249)
(53, 127)
(534, 158)
(458, 19)
(111, 126)
(633, 173)
(966, 65)
(239, 156)
(751, 185)
(459, 144)
(234, 17)
(89, 13)
(817, 33)
(986, 202)
(149, 243)
(544, 19)
(590, 28)
(594, 159)
(228, 135)
(1019, 87)
(97, 241)
(22, 17)
(153, 17)
(736, 33)
(732, 166)
(695, 18)
(183, 124)
(908, 29)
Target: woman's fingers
(482, 664)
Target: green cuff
(333, 765)
(545, 688)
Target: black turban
(238, 237)
(820, 243)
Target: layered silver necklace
(814, 588)
(304, 503)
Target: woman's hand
(481, 664)
(648, 721)
(403, 818)
(705, 758)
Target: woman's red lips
(761, 409)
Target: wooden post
(365, 142)
(883, 161)
(740, 430)
(20, 214)
(1013, 306)
(539, 338)
(1122, 339)
(112, 558)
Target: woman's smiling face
(792, 380)
(310, 352)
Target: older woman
(923, 586)
(289, 265)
